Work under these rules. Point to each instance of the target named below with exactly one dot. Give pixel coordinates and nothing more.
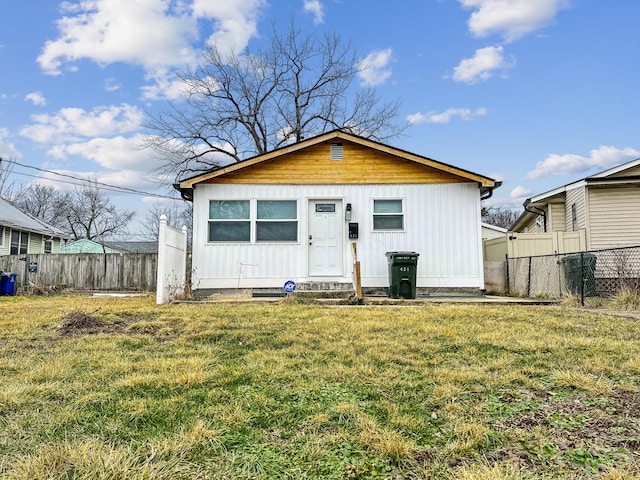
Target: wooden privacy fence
(85, 271)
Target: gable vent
(336, 151)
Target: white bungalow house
(293, 214)
(20, 233)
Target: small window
(229, 221)
(388, 215)
(325, 208)
(336, 151)
(1, 235)
(540, 224)
(277, 221)
(574, 218)
(48, 246)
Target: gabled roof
(14, 218)
(609, 176)
(84, 245)
(485, 182)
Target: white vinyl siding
(441, 223)
(614, 217)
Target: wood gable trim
(446, 172)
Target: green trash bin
(579, 271)
(402, 274)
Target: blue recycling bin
(7, 283)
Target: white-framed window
(253, 221)
(229, 221)
(19, 242)
(277, 221)
(574, 217)
(48, 246)
(539, 224)
(388, 214)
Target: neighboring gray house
(21, 233)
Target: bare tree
(90, 214)
(242, 105)
(177, 216)
(6, 186)
(500, 217)
(44, 202)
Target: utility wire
(113, 188)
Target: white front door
(325, 238)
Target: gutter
(488, 193)
(185, 193)
(539, 212)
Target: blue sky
(534, 93)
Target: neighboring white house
(293, 213)
(492, 231)
(20, 233)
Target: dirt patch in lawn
(79, 323)
(587, 433)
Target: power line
(105, 186)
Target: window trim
(574, 217)
(23, 247)
(402, 215)
(44, 245)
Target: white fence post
(172, 262)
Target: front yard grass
(115, 388)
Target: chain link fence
(596, 273)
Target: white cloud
(511, 18)
(602, 157)
(111, 84)
(36, 98)
(235, 20)
(373, 69)
(520, 192)
(316, 9)
(482, 65)
(446, 116)
(117, 153)
(144, 32)
(71, 124)
(155, 34)
(165, 86)
(7, 149)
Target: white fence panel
(172, 262)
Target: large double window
(253, 221)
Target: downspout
(540, 213)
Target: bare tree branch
(240, 105)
